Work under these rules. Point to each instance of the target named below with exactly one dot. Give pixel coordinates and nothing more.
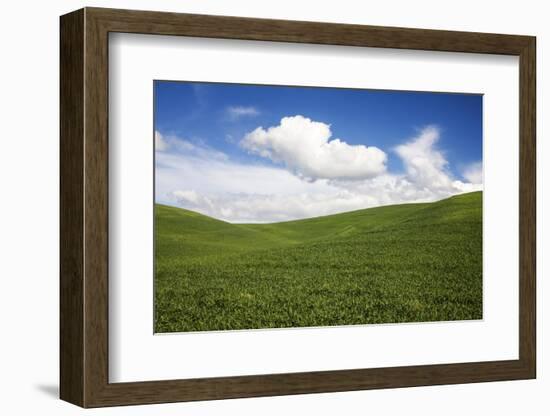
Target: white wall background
(29, 159)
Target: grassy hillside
(402, 263)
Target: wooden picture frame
(84, 207)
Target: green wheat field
(392, 264)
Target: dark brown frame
(84, 207)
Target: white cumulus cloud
(426, 166)
(197, 177)
(305, 147)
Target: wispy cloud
(236, 112)
(160, 144)
(172, 145)
(474, 172)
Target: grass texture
(393, 264)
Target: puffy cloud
(236, 112)
(305, 147)
(474, 173)
(197, 177)
(426, 166)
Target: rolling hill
(401, 263)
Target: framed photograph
(255, 207)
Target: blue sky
(228, 126)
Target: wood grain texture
(71, 208)
(162, 23)
(528, 207)
(96, 208)
(84, 207)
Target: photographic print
(290, 206)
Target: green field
(401, 263)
